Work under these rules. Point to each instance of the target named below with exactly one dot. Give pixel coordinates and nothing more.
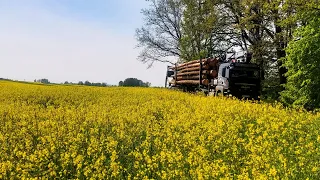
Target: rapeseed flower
(78, 132)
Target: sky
(73, 40)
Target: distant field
(125, 133)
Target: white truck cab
(221, 83)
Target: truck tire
(218, 93)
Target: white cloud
(36, 43)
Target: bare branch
(161, 34)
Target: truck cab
(221, 83)
(241, 80)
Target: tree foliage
(134, 82)
(88, 83)
(303, 62)
(44, 81)
(190, 29)
(197, 27)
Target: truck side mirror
(170, 73)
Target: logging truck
(216, 77)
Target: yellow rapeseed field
(78, 132)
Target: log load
(212, 73)
(189, 73)
(194, 68)
(190, 66)
(191, 62)
(196, 63)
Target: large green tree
(198, 25)
(134, 82)
(303, 60)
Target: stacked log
(193, 82)
(190, 77)
(189, 73)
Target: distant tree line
(44, 81)
(134, 82)
(88, 83)
(129, 82)
(85, 83)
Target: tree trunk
(281, 54)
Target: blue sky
(73, 40)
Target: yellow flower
(314, 169)
(78, 132)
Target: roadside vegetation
(281, 35)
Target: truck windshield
(235, 73)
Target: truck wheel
(185, 89)
(218, 93)
(257, 98)
(206, 93)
